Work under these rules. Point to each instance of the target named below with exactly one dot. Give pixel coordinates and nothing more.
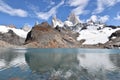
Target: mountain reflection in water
(60, 64)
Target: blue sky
(20, 12)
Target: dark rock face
(113, 42)
(11, 38)
(115, 34)
(44, 36)
(113, 27)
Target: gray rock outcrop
(11, 38)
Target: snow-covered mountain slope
(92, 32)
(19, 32)
(68, 23)
(93, 36)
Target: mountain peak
(36, 23)
(56, 22)
(74, 19)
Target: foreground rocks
(4, 44)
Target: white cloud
(51, 2)
(51, 12)
(12, 11)
(95, 18)
(118, 16)
(102, 4)
(79, 6)
(104, 19)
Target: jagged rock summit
(56, 22)
(74, 19)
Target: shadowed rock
(114, 40)
(115, 34)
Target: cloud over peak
(118, 16)
(79, 6)
(102, 19)
(51, 12)
(5, 8)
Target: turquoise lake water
(59, 64)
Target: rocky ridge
(68, 34)
(44, 36)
